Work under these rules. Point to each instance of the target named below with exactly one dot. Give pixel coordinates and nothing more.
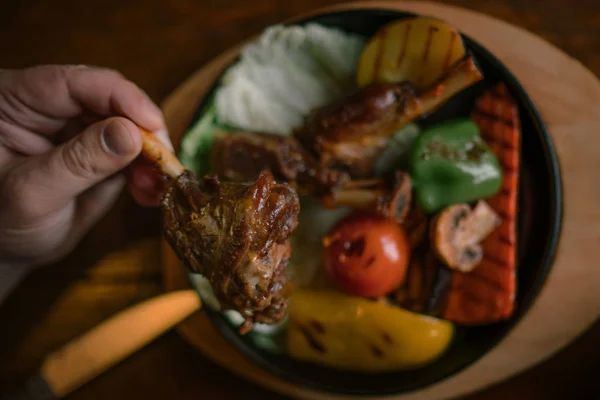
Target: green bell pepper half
(450, 163)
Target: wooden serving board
(568, 97)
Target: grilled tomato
(366, 255)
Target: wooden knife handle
(110, 342)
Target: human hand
(63, 151)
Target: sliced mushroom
(477, 225)
(390, 198)
(457, 231)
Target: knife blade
(91, 354)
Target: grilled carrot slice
(487, 294)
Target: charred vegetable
(419, 50)
(456, 234)
(415, 225)
(366, 254)
(417, 290)
(452, 164)
(487, 294)
(357, 334)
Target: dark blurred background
(158, 44)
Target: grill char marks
(236, 235)
(486, 295)
(349, 134)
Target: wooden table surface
(158, 44)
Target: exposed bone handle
(158, 153)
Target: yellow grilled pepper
(352, 333)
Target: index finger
(107, 92)
(54, 94)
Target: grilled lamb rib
(240, 156)
(389, 197)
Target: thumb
(98, 152)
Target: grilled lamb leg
(351, 133)
(235, 234)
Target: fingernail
(116, 139)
